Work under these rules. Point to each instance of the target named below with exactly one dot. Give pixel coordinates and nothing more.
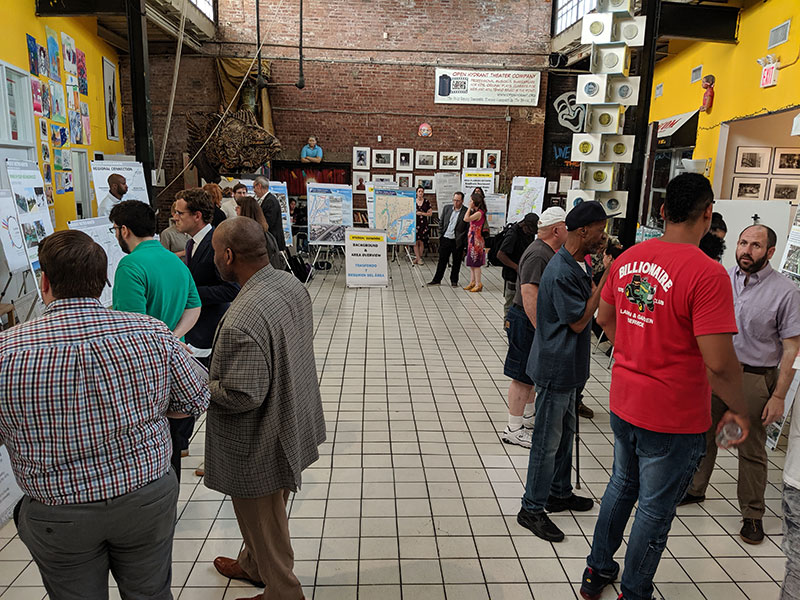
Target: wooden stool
(8, 309)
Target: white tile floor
(415, 496)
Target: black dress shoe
(453, 284)
(752, 531)
(576, 503)
(585, 412)
(434, 283)
(691, 499)
(540, 525)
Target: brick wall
(359, 84)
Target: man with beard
(151, 280)
(768, 318)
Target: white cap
(553, 215)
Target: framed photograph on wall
(491, 160)
(784, 189)
(360, 179)
(383, 159)
(426, 160)
(110, 99)
(360, 157)
(405, 159)
(450, 161)
(787, 161)
(427, 182)
(749, 188)
(405, 180)
(383, 177)
(472, 159)
(752, 159)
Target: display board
(279, 189)
(496, 212)
(11, 237)
(446, 184)
(474, 178)
(370, 185)
(365, 258)
(330, 212)
(98, 228)
(396, 212)
(527, 196)
(10, 493)
(132, 172)
(502, 88)
(739, 214)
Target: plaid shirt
(84, 393)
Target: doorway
(80, 176)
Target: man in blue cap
(558, 364)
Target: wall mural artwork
(570, 114)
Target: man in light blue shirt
(452, 239)
(311, 153)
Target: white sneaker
(527, 422)
(520, 437)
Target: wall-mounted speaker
(604, 118)
(586, 147)
(612, 59)
(630, 31)
(575, 197)
(598, 28)
(623, 90)
(617, 148)
(615, 202)
(597, 176)
(592, 89)
(615, 6)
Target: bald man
(265, 420)
(117, 188)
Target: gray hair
(262, 181)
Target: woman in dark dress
(424, 213)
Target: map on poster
(527, 195)
(396, 212)
(98, 229)
(134, 178)
(10, 493)
(476, 178)
(11, 237)
(446, 184)
(496, 212)
(370, 185)
(330, 212)
(31, 206)
(279, 189)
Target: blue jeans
(550, 462)
(791, 543)
(655, 469)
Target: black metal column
(652, 9)
(140, 89)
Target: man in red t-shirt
(668, 310)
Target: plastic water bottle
(728, 434)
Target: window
(206, 7)
(569, 12)
(16, 107)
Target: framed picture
(360, 179)
(110, 99)
(784, 189)
(427, 182)
(426, 160)
(472, 159)
(383, 178)
(405, 159)
(405, 180)
(491, 160)
(450, 161)
(749, 188)
(787, 161)
(360, 157)
(383, 159)
(751, 159)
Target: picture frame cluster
(781, 163)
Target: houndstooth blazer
(265, 420)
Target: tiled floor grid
(415, 497)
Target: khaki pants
(267, 554)
(509, 290)
(757, 390)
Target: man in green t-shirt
(153, 281)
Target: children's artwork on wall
(53, 55)
(45, 152)
(68, 50)
(47, 174)
(68, 182)
(33, 54)
(44, 62)
(58, 104)
(66, 160)
(83, 82)
(46, 103)
(86, 124)
(43, 130)
(58, 157)
(110, 99)
(59, 182)
(73, 102)
(58, 136)
(36, 95)
(75, 127)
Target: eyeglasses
(113, 229)
(181, 212)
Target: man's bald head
(239, 246)
(117, 185)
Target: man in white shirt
(117, 188)
(452, 239)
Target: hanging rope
(181, 31)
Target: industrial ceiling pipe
(261, 81)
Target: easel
(328, 249)
(23, 293)
(396, 258)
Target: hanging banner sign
(365, 258)
(503, 88)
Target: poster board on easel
(99, 229)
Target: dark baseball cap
(586, 213)
(531, 218)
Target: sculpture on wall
(708, 95)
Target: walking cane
(578, 399)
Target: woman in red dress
(476, 248)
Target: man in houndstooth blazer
(265, 420)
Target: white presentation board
(370, 185)
(330, 212)
(527, 196)
(474, 178)
(279, 189)
(365, 258)
(10, 493)
(496, 212)
(446, 184)
(396, 213)
(738, 214)
(132, 172)
(11, 237)
(98, 228)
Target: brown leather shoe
(259, 597)
(229, 567)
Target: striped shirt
(84, 393)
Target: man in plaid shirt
(86, 392)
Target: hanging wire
(181, 31)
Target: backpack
(298, 267)
(497, 241)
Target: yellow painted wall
(737, 91)
(19, 19)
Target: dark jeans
(550, 461)
(655, 469)
(76, 545)
(447, 249)
(181, 432)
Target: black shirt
(514, 243)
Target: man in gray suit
(452, 239)
(265, 420)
